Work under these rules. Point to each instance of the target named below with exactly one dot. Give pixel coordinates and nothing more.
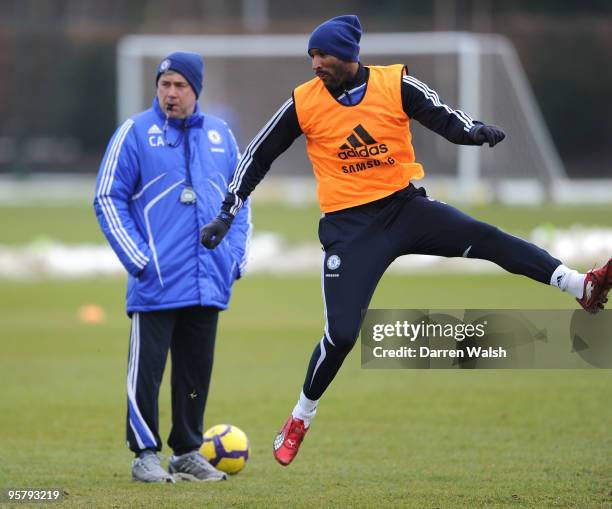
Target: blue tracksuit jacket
(137, 201)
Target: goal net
(248, 77)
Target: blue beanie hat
(189, 65)
(339, 37)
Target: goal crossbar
(468, 47)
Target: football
(226, 447)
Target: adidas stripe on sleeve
(423, 104)
(270, 142)
(110, 202)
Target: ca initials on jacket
(156, 141)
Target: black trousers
(361, 242)
(189, 334)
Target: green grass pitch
(422, 439)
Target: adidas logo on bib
(360, 143)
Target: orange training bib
(359, 153)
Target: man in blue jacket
(161, 179)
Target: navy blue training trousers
(361, 242)
(189, 334)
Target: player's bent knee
(343, 340)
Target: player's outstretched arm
(422, 103)
(272, 140)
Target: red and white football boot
(597, 284)
(287, 442)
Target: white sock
(305, 409)
(568, 280)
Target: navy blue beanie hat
(189, 65)
(339, 37)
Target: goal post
(252, 75)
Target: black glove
(212, 233)
(482, 133)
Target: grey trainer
(147, 468)
(194, 467)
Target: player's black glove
(483, 133)
(212, 233)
